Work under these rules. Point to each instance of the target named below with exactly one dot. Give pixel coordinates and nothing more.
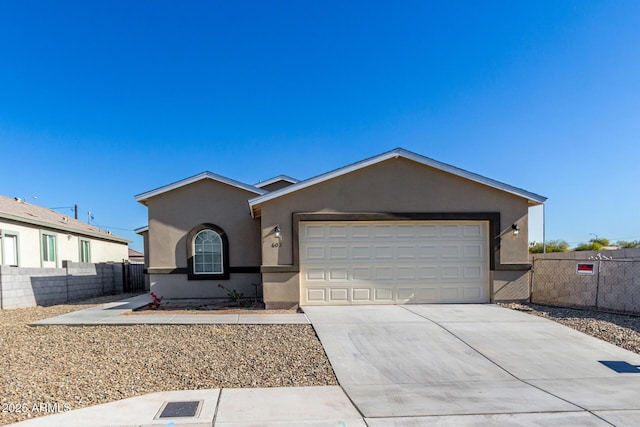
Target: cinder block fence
(29, 287)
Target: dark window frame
(191, 274)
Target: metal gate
(133, 277)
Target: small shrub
(234, 296)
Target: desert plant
(233, 295)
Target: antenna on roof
(89, 217)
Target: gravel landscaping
(81, 366)
(620, 329)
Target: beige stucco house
(396, 228)
(32, 236)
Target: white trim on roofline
(276, 179)
(141, 229)
(398, 152)
(204, 175)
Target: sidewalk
(228, 407)
(115, 314)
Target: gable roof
(14, 209)
(142, 198)
(534, 199)
(278, 178)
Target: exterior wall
(177, 286)
(68, 246)
(393, 186)
(147, 279)
(174, 214)
(511, 286)
(29, 287)
(281, 290)
(28, 243)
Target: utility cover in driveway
(394, 262)
(180, 409)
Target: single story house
(392, 229)
(34, 236)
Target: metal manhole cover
(180, 409)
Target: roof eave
(51, 226)
(143, 197)
(396, 153)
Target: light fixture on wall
(276, 231)
(516, 229)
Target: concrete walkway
(227, 407)
(115, 313)
(469, 365)
(405, 366)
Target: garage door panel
(338, 231)
(314, 253)
(383, 294)
(394, 262)
(337, 253)
(316, 295)
(450, 251)
(382, 252)
(473, 252)
(360, 252)
(339, 294)
(315, 274)
(361, 294)
(474, 230)
(314, 231)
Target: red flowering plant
(155, 304)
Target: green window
(48, 247)
(85, 251)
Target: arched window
(207, 253)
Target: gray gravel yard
(88, 365)
(619, 329)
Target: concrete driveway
(468, 365)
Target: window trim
(191, 274)
(55, 248)
(3, 235)
(221, 252)
(80, 242)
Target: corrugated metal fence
(606, 284)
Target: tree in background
(593, 245)
(552, 246)
(628, 245)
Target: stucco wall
(67, 243)
(173, 214)
(176, 286)
(396, 185)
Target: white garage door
(394, 262)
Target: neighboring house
(395, 228)
(34, 236)
(136, 257)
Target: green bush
(591, 246)
(552, 246)
(628, 245)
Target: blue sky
(100, 101)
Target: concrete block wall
(614, 285)
(29, 287)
